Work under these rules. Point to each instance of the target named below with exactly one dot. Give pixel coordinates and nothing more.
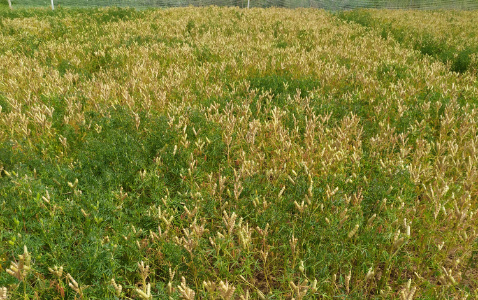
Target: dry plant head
(229, 221)
(57, 271)
(408, 292)
(353, 231)
(22, 268)
(74, 285)
(118, 288)
(210, 286)
(245, 296)
(370, 274)
(347, 281)
(245, 236)
(3, 293)
(226, 290)
(185, 291)
(145, 291)
(300, 290)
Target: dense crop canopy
(235, 154)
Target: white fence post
(10, 4)
(248, 1)
(52, 5)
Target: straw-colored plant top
(219, 153)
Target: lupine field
(224, 153)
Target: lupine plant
(221, 153)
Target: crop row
(449, 36)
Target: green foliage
(4, 104)
(282, 83)
(115, 14)
(204, 54)
(391, 72)
(462, 62)
(190, 26)
(358, 16)
(113, 156)
(7, 154)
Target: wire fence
(321, 4)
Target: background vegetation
(322, 4)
